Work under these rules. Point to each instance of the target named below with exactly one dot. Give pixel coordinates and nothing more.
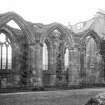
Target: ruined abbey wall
(27, 54)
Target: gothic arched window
(45, 57)
(91, 53)
(5, 52)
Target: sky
(65, 12)
(49, 11)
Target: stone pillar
(102, 52)
(60, 80)
(62, 63)
(52, 65)
(82, 65)
(15, 66)
(7, 56)
(36, 64)
(1, 56)
(14, 60)
(70, 67)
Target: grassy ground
(60, 97)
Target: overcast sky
(48, 11)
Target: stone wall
(27, 58)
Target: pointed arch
(63, 30)
(91, 51)
(5, 18)
(5, 52)
(94, 35)
(10, 34)
(83, 54)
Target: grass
(59, 97)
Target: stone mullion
(6, 56)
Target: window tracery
(5, 52)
